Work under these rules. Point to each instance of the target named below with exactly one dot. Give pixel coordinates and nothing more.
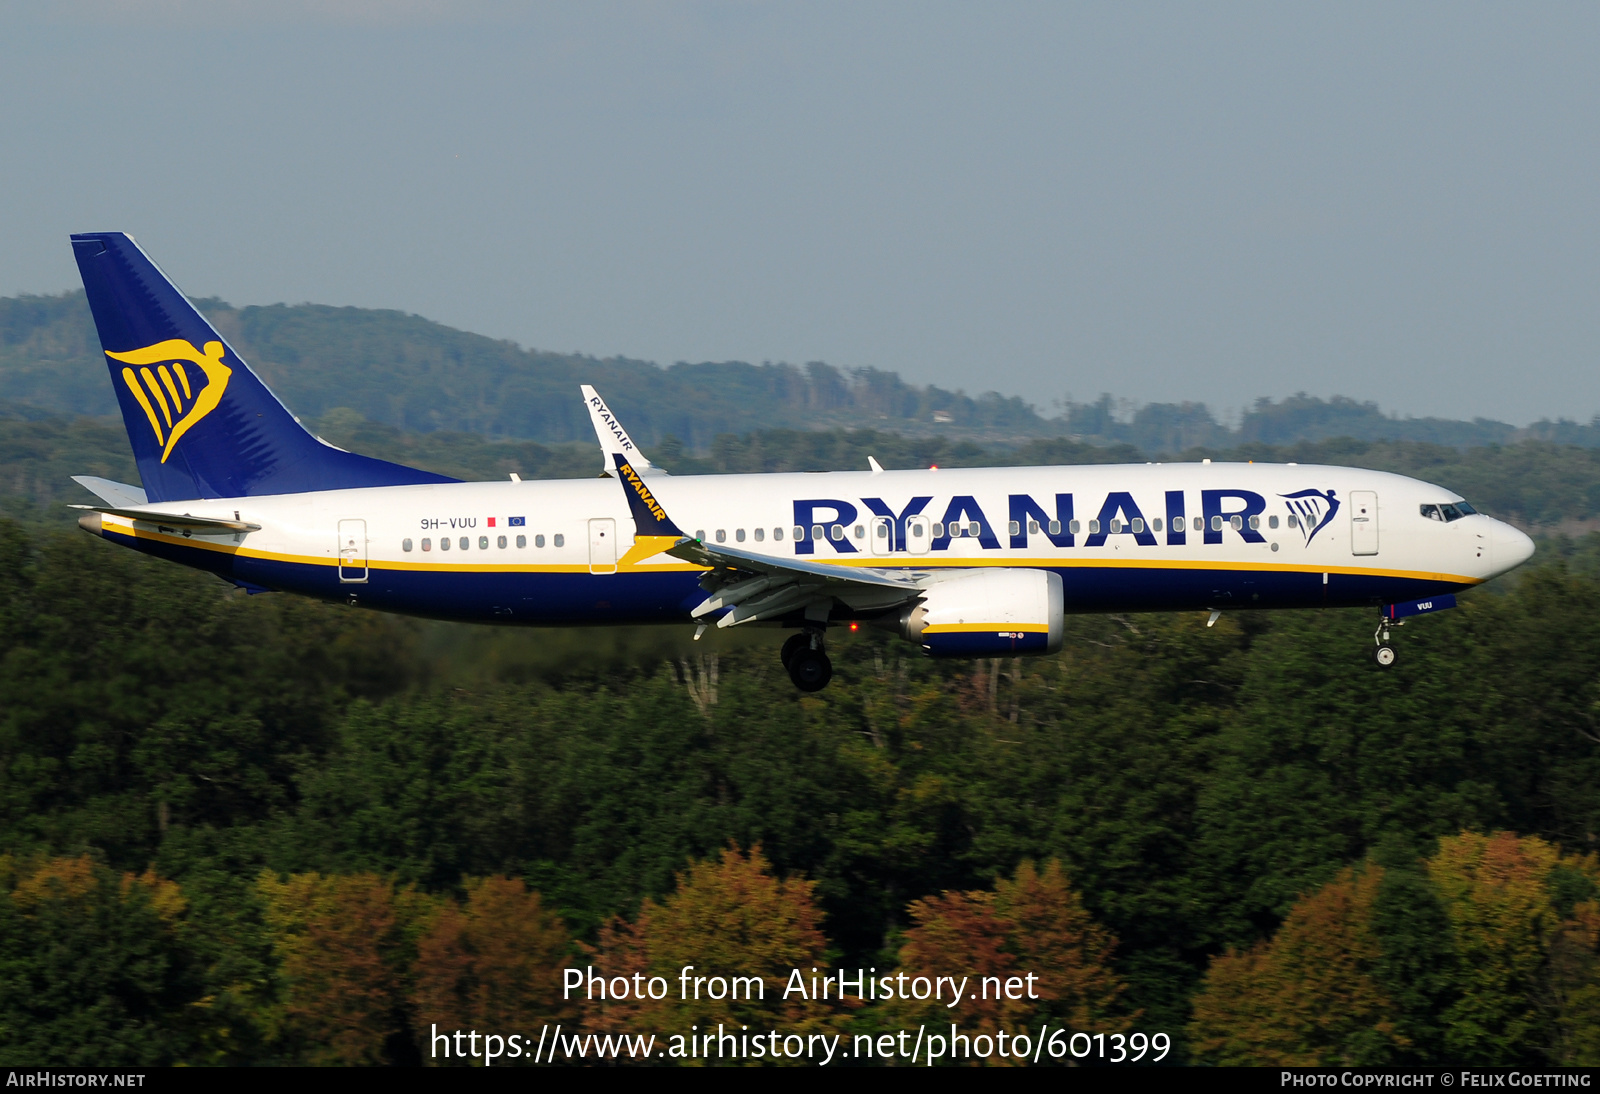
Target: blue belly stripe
(547, 598)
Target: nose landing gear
(808, 664)
(1383, 654)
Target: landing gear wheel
(810, 669)
(795, 642)
(1383, 654)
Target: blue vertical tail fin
(201, 423)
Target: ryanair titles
(913, 528)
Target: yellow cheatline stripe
(125, 528)
(183, 378)
(149, 411)
(161, 399)
(972, 628)
(172, 388)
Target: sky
(1218, 202)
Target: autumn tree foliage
(1309, 997)
(492, 964)
(94, 969)
(728, 917)
(1031, 923)
(345, 945)
(1486, 953)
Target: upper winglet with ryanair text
(614, 440)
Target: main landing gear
(808, 665)
(1383, 653)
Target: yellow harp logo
(182, 401)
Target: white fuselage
(1122, 537)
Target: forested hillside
(418, 376)
(311, 818)
(1539, 485)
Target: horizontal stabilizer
(112, 492)
(182, 522)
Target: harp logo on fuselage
(1315, 510)
(172, 399)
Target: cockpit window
(1448, 512)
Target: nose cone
(1508, 548)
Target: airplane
(977, 562)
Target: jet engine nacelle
(988, 613)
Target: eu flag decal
(517, 522)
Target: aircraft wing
(756, 587)
(751, 587)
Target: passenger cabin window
(405, 545)
(1055, 527)
(483, 543)
(466, 543)
(444, 543)
(1200, 524)
(1272, 522)
(861, 532)
(538, 541)
(559, 540)
(722, 535)
(1094, 527)
(761, 534)
(427, 544)
(739, 535)
(777, 535)
(522, 541)
(501, 543)
(1076, 526)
